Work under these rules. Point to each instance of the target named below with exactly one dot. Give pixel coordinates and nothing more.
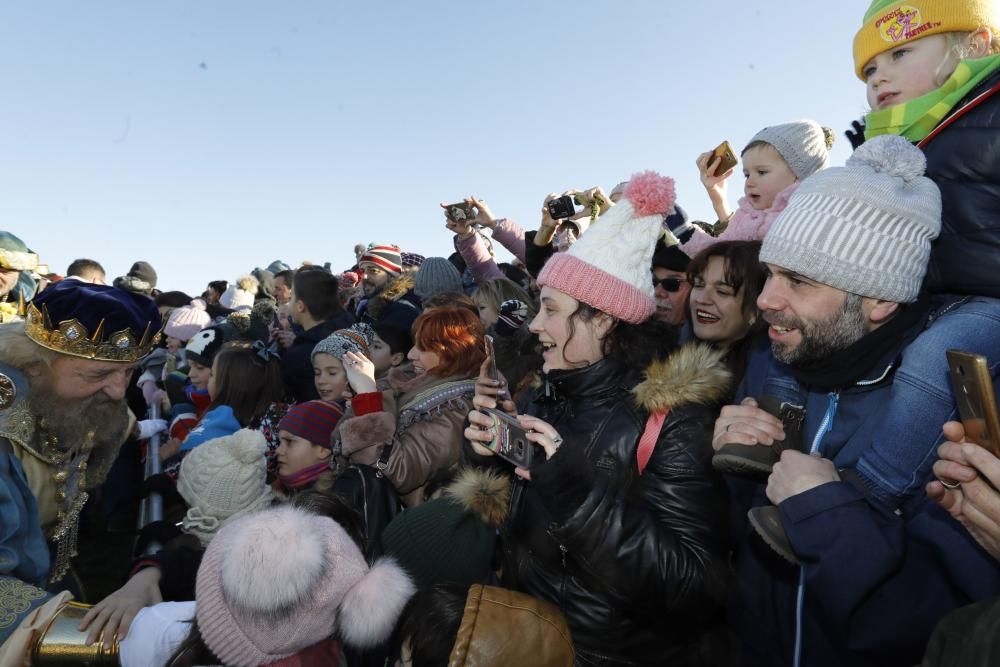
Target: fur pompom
(484, 493)
(247, 445)
(650, 194)
(249, 578)
(370, 610)
(890, 154)
(247, 284)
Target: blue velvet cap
(93, 321)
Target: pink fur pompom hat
(608, 268)
(276, 582)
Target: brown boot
(757, 460)
(766, 520)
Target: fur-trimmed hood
(483, 493)
(694, 374)
(394, 290)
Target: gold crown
(71, 337)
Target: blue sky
(212, 137)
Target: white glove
(150, 427)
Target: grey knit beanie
(436, 275)
(803, 144)
(221, 479)
(357, 338)
(864, 228)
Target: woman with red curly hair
(419, 418)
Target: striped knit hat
(608, 268)
(389, 258)
(865, 228)
(313, 421)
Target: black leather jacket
(636, 563)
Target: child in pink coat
(774, 162)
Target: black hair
(79, 267)
(430, 623)
(174, 299)
(220, 286)
(318, 290)
(287, 275)
(635, 345)
(398, 340)
(332, 506)
(742, 270)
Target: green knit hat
(450, 539)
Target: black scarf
(848, 366)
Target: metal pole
(151, 508)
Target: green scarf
(918, 117)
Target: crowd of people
(647, 440)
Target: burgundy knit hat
(313, 420)
(386, 257)
(279, 581)
(608, 267)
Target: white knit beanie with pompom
(241, 294)
(223, 478)
(866, 227)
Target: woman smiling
(621, 520)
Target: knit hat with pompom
(241, 294)
(276, 582)
(222, 479)
(608, 268)
(186, 321)
(864, 228)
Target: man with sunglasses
(670, 283)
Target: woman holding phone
(413, 430)
(620, 520)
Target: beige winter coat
(423, 418)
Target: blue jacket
(217, 423)
(24, 556)
(875, 580)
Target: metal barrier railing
(151, 508)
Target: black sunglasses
(671, 284)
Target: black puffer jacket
(963, 161)
(636, 563)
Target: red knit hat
(314, 421)
(608, 268)
(386, 257)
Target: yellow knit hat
(889, 23)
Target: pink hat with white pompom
(608, 267)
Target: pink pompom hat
(609, 267)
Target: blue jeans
(898, 461)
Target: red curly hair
(456, 336)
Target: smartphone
(561, 208)
(728, 158)
(503, 394)
(461, 212)
(510, 439)
(977, 403)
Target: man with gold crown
(63, 417)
